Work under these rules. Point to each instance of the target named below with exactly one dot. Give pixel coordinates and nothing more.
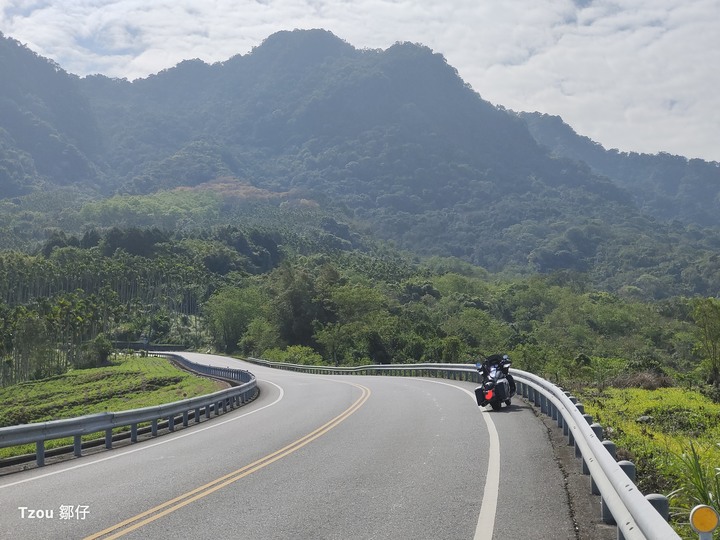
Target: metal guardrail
(244, 389)
(622, 503)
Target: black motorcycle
(497, 386)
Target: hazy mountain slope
(395, 137)
(48, 133)
(665, 186)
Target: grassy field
(129, 382)
(673, 437)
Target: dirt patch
(584, 506)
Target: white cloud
(636, 75)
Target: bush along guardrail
(621, 502)
(243, 390)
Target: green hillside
(391, 142)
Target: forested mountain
(665, 186)
(391, 144)
(48, 134)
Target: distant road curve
(331, 457)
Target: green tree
(706, 312)
(97, 352)
(477, 330)
(229, 312)
(260, 336)
(360, 328)
(335, 339)
(294, 307)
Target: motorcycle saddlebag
(480, 396)
(502, 390)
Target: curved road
(314, 457)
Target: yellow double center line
(142, 519)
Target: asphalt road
(313, 457)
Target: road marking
(144, 518)
(486, 519)
(145, 446)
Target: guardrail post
(197, 415)
(571, 436)
(606, 515)
(153, 427)
(612, 450)
(598, 430)
(628, 468)
(566, 431)
(171, 422)
(108, 439)
(610, 447)
(185, 418)
(660, 503)
(40, 453)
(589, 420)
(133, 433)
(77, 445)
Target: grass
(673, 437)
(130, 382)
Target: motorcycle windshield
(493, 372)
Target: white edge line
(118, 453)
(486, 519)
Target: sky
(634, 75)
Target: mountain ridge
(393, 140)
(654, 180)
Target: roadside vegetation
(672, 435)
